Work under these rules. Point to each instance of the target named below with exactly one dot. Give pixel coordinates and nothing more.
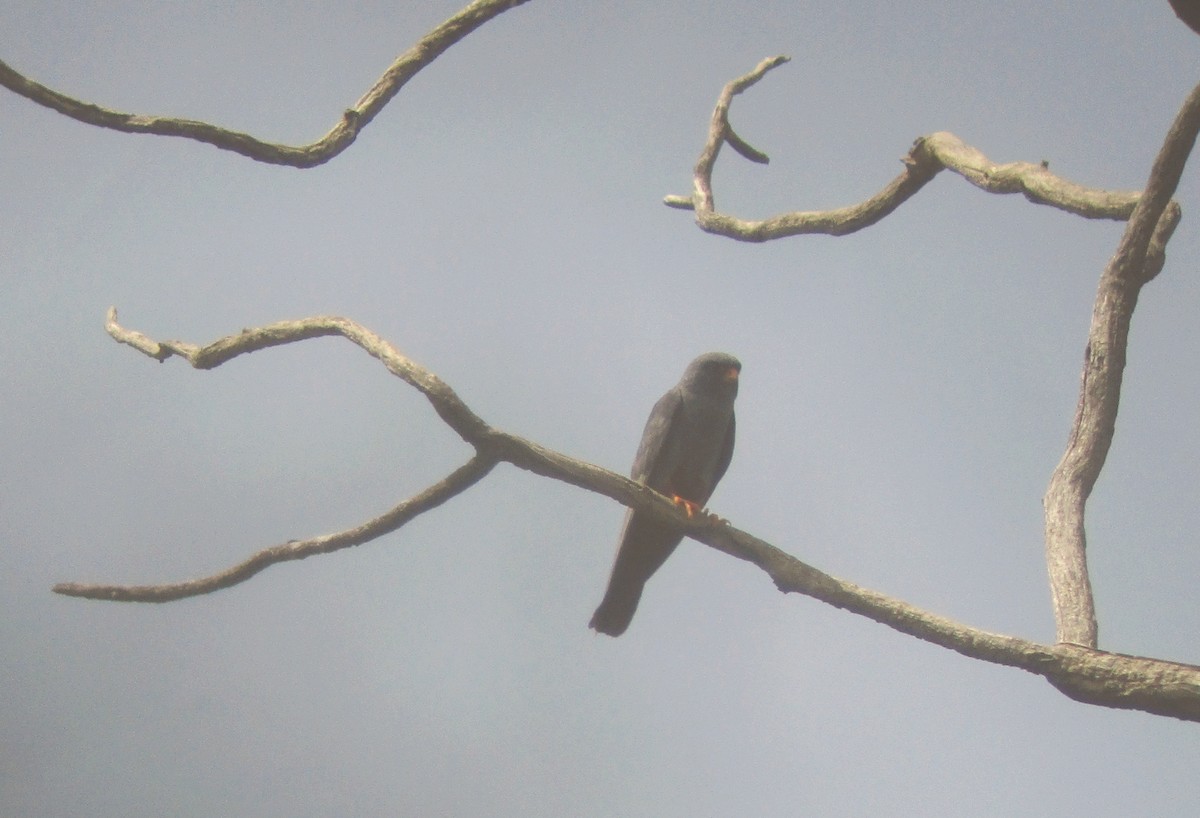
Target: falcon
(685, 450)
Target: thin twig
(445, 402)
(452, 485)
(339, 137)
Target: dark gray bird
(685, 450)
(1189, 12)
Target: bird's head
(714, 373)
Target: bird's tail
(645, 546)
(616, 610)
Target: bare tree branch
(339, 137)
(928, 157)
(448, 405)
(453, 484)
(1139, 257)
(1074, 666)
(1111, 680)
(1091, 676)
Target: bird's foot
(694, 510)
(688, 506)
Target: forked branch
(1111, 680)
(928, 157)
(1152, 217)
(339, 137)
(1140, 256)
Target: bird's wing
(1189, 12)
(726, 452)
(659, 427)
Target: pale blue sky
(906, 393)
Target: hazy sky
(906, 393)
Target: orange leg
(691, 508)
(694, 510)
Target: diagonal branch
(339, 137)
(928, 157)
(1090, 676)
(469, 426)
(452, 485)
(1096, 677)
(1139, 257)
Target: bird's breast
(698, 451)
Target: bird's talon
(688, 506)
(693, 511)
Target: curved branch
(453, 484)
(469, 426)
(1110, 680)
(339, 137)
(1139, 257)
(928, 157)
